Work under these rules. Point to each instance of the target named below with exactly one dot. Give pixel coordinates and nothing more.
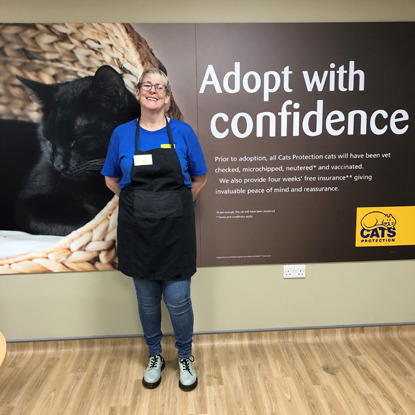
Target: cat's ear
(108, 87)
(40, 92)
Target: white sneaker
(188, 378)
(152, 375)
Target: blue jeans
(176, 296)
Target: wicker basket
(53, 53)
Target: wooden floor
(332, 371)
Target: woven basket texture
(52, 53)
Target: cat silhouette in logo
(377, 219)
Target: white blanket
(13, 243)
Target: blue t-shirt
(120, 152)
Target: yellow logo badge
(385, 226)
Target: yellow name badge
(385, 226)
(166, 146)
(143, 160)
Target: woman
(157, 167)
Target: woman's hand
(113, 183)
(197, 185)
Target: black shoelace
(153, 362)
(185, 363)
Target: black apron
(156, 224)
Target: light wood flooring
(329, 371)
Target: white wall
(225, 298)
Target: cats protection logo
(385, 226)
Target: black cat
(63, 188)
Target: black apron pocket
(158, 205)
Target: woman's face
(153, 99)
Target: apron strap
(137, 129)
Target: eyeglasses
(158, 87)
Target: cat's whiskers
(89, 166)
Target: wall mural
(306, 130)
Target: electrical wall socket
(294, 271)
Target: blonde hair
(154, 71)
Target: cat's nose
(59, 167)
(58, 163)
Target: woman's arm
(197, 185)
(113, 183)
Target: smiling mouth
(152, 99)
